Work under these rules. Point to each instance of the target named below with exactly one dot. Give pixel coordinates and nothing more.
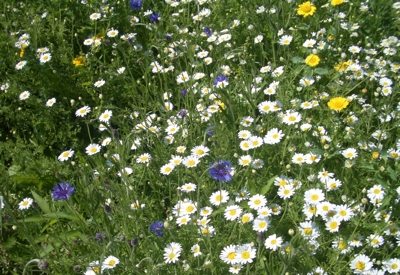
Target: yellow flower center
(231, 256)
(245, 255)
(360, 265)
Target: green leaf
(10, 242)
(321, 71)
(29, 180)
(41, 202)
(296, 59)
(266, 187)
(47, 250)
(61, 215)
(70, 234)
(52, 215)
(48, 225)
(13, 170)
(36, 218)
(392, 173)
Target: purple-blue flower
(135, 4)
(100, 237)
(221, 81)
(133, 242)
(154, 17)
(207, 31)
(183, 113)
(221, 170)
(62, 191)
(209, 130)
(157, 227)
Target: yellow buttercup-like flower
(312, 60)
(78, 61)
(306, 9)
(336, 2)
(338, 103)
(343, 66)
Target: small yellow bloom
(312, 60)
(78, 61)
(98, 36)
(22, 52)
(343, 66)
(221, 104)
(306, 9)
(375, 155)
(336, 2)
(338, 103)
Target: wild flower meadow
(199, 137)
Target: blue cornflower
(154, 17)
(184, 92)
(62, 191)
(221, 81)
(221, 170)
(135, 4)
(183, 113)
(208, 31)
(157, 227)
(100, 237)
(133, 242)
(209, 130)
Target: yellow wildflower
(306, 9)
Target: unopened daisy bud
(166, 224)
(101, 96)
(378, 262)
(291, 203)
(364, 190)
(314, 51)
(291, 232)
(326, 146)
(14, 227)
(381, 168)
(288, 166)
(364, 214)
(253, 171)
(343, 55)
(72, 163)
(364, 90)
(80, 98)
(364, 200)
(105, 155)
(72, 102)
